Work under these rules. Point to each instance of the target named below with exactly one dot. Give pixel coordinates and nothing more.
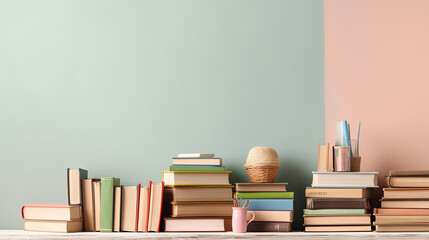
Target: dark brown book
(269, 227)
(338, 203)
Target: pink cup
(239, 219)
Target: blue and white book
(269, 204)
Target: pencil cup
(342, 159)
(239, 219)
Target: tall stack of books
(198, 195)
(405, 205)
(339, 202)
(271, 203)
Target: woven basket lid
(262, 157)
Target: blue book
(269, 204)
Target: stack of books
(52, 218)
(271, 203)
(198, 195)
(339, 202)
(405, 204)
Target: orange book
(401, 211)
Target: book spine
(106, 208)
(337, 204)
(265, 195)
(269, 227)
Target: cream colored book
(366, 228)
(195, 155)
(402, 228)
(53, 226)
(97, 203)
(338, 192)
(117, 209)
(410, 193)
(400, 220)
(340, 220)
(416, 203)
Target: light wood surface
(20, 234)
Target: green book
(265, 195)
(196, 168)
(334, 211)
(108, 185)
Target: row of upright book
(98, 204)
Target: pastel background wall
(376, 70)
(119, 87)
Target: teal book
(269, 204)
(108, 185)
(265, 195)
(196, 168)
(334, 211)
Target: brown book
(366, 228)
(338, 192)
(261, 187)
(198, 194)
(408, 182)
(74, 177)
(88, 203)
(337, 220)
(53, 226)
(401, 220)
(401, 211)
(199, 209)
(117, 209)
(269, 227)
(198, 224)
(395, 173)
(271, 216)
(338, 203)
(96, 185)
(404, 203)
(411, 193)
(402, 228)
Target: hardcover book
(88, 203)
(404, 203)
(108, 185)
(401, 211)
(271, 216)
(198, 224)
(219, 193)
(338, 203)
(339, 220)
(335, 211)
(410, 193)
(402, 228)
(270, 204)
(211, 161)
(47, 211)
(131, 207)
(265, 195)
(345, 179)
(338, 228)
(74, 187)
(196, 168)
(402, 220)
(408, 182)
(195, 155)
(199, 209)
(338, 192)
(261, 187)
(53, 226)
(177, 178)
(269, 227)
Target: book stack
(405, 204)
(271, 203)
(198, 195)
(52, 218)
(339, 202)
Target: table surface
(20, 234)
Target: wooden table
(20, 234)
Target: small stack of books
(405, 205)
(339, 202)
(198, 195)
(271, 203)
(52, 218)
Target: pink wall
(377, 71)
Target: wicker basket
(262, 165)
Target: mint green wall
(120, 87)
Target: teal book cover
(108, 185)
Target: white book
(192, 155)
(345, 179)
